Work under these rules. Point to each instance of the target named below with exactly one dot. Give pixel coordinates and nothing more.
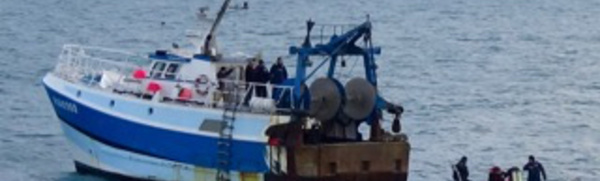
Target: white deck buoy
(259, 103)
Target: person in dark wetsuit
(460, 170)
(535, 170)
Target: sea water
(492, 80)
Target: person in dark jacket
(278, 72)
(460, 170)
(222, 74)
(250, 71)
(262, 75)
(250, 75)
(535, 170)
(496, 174)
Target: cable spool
(326, 98)
(360, 98)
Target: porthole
(78, 93)
(112, 103)
(150, 111)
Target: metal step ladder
(226, 135)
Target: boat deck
(113, 71)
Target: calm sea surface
(493, 80)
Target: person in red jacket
(496, 174)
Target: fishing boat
(167, 115)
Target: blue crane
(346, 44)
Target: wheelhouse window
(157, 69)
(164, 70)
(172, 70)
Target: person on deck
(221, 75)
(535, 170)
(262, 75)
(250, 70)
(278, 72)
(278, 75)
(460, 170)
(250, 75)
(225, 88)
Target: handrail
(86, 65)
(275, 92)
(71, 46)
(327, 30)
(77, 61)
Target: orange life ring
(202, 80)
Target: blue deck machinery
(322, 141)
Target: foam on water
(493, 80)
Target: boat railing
(255, 96)
(84, 63)
(325, 31)
(321, 33)
(113, 70)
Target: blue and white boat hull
(150, 140)
(114, 161)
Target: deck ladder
(224, 144)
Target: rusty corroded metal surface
(385, 160)
(351, 158)
(311, 155)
